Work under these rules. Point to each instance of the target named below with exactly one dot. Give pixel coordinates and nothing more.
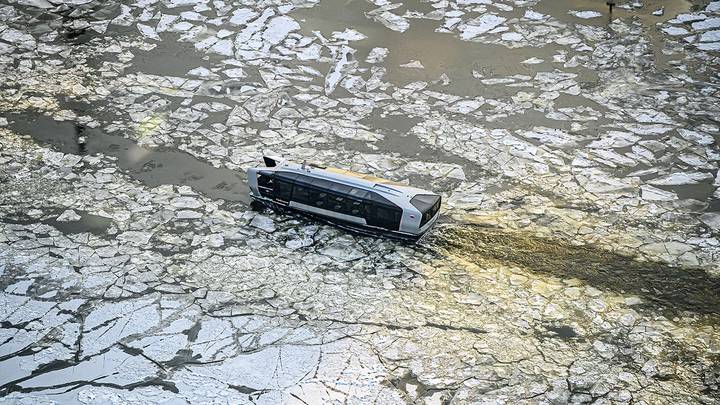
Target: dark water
(152, 167)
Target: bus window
(283, 190)
(337, 203)
(303, 194)
(353, 207)
(322, 200)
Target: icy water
(577, 259)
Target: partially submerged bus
(354, 201)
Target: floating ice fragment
(342, 250)
(584, 14)
(36, 3)
(690, 17)
(709, 46)
(696, 137)
(202, 72)
(711, 219)
(651, 193)
(659, 12)
(511, 36)
(680, 178)
(279, 28)
(532, 61)
(223, 47)
(377, 55)
(125, 18)
(465, 106)
(339, 70)
(135, 237)
(235, 73)
(68, 216)
(706, 24)
(534, 15)
(264, 223)
(710, 36)
(242, 16)
(414, 64)
(713, 6)
(480, 25)
(349, 35)
(165, 22)
(185, 202)
(552, 136)
(675, 31)
(651, 116)
(16, 36)
(188, 214)
(148, 31)
(390, 20)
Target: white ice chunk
(349, 35)
(465, 106)
(585, 14)
(710, 36)
(16, 36)
(202, 72)
(279, 28)
(711, 219)
(36, 3)
(713, 6)
(512, 36)
(312, 52)
(242, 16)
(392, 21)
(377, 55)
(235, 73)
(166, 21)
(700, 138)
(339, 70)
(534, 15)
(148, 31)
(69, 216)
(681, 178)
(706, 24)
(125, 18)
(480, 25)
(532, 61)
(264, 223)
(690, 17)
(223, 47)
(186, 202)
(709, 46)
(414, 64)
(651, 193)
(675, 31)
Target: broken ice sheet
(69, 216)
(278, 28)
(377, 55)
(585, 14)
(414, 64)
(148, 31)
(388, 19)
(342, 66)
(349, 35)
(480, 25)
